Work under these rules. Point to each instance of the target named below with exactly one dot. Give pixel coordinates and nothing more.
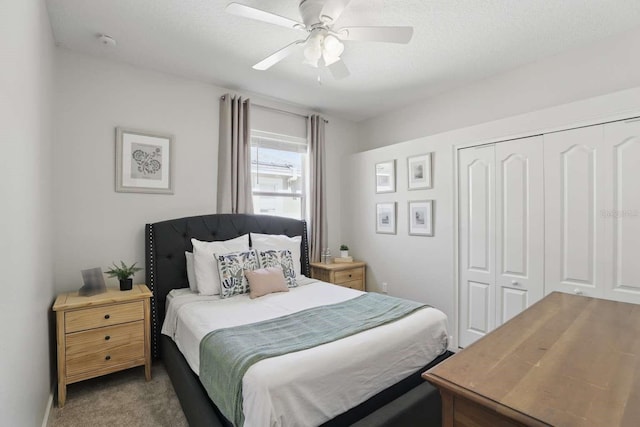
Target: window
(279, 174)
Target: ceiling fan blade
(278, 56)
(261, 15)
(339, 70)
(376, 34)
(332, 10)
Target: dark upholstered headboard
(167, 241)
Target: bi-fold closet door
(592, 218)
(558, 212)
(501, 233)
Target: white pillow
(205, 265)
(191, 274)
(265, 242)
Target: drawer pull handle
(107, 357)
(349, 275)
(106, 316)
(107, 338)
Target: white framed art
(421, 218)
(143, 162)
(386, 177)
(419, 171)
(386, 218)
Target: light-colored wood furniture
(101, 334)
(350, 275)
(565, 361)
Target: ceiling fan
(322, 42)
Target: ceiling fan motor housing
(310, 11)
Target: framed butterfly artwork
(143, 162)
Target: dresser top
(72, 300)
(566, 360)
(338, 266)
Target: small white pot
(344, 254)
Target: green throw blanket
(227, 354)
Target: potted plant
(124, 274)
(344, 251)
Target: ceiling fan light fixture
(313, 50)
(328, 60)
(312, 62)
(332, 46)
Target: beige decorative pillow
(264, 281)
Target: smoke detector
(106, 40)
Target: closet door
(622, 215)
(476, 243)
(576, 184)
(519, 226)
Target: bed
(166, 243)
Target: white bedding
(311, 386)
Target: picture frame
(421, 218)
(386, 218)
(419, 171)
(143, 162)
(386, 177)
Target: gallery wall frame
(144, 161)
(386, 177)
(386, 217)
(420, 171)
(421, 217)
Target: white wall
(94, 225)
(608, 66)
(423, 268)
(566, 90)
(26, 47)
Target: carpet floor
(121, 399)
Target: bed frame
(165, 244)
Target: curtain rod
(264, 107)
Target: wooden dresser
(101, 334)
(567, 360)
(350, 274)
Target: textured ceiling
(455, 42)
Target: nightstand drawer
(103, 339)
(103, 358)
(354, 284)
(108, 315)
(348, 275)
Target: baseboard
(47, 412)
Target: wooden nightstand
(350, 275)
(101, 334)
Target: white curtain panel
(234, 156)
